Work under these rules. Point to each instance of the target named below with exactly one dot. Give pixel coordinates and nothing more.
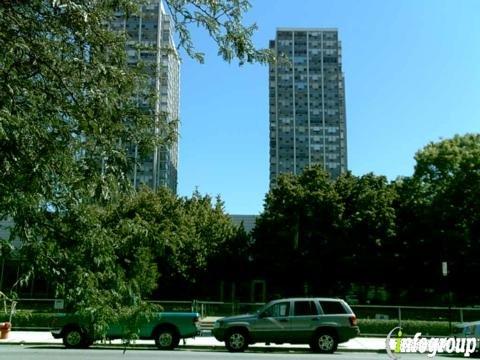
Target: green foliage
(409, 327)
(222, 19)
(438, 216)
(367, 233)
(68, 106)
(300, 212)
(182, 234)
(29, 319)
(368, 224)
(110, 257)
(316, 224)
(448, 176)
(65, 103)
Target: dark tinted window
(278, 310)
(305, 308)
(332, 307)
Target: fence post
(461, 315)
(400, 316)
(202, 310)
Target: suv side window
(303, 308)
(278, 310)
(332, 307)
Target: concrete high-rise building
(151, 42)
(307, 102)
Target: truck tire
(166, 338)
(74, 338)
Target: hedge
(409, 327)
(25, 319)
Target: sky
(412, 76)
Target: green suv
(322, 323)
(165, 328)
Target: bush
(36, 320)
(409, 327)
(24, 319)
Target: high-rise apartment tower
(307, 102)
(150, 41)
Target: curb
(193, 347)
(279, 349)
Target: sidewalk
(45, 338)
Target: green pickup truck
(165, 328)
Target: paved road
(16, 352)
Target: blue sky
(412, 73)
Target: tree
(415, 255)
(437, 220)
(180, 235)
(233, 264)
(369, 232)
(223, 21)
(67, 107)
(111, 257)
(368, 226)
(67, 101)
(209, 229)
(331, 233)
(299, 227)
(448, 178)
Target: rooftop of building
(305, 29)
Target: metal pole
(400, 316)
(449, 304)
(446, 275)
(449, 309)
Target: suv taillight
(353, 320)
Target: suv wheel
(73, 338)
(236, 340)
(166, 339)
(324, 342)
